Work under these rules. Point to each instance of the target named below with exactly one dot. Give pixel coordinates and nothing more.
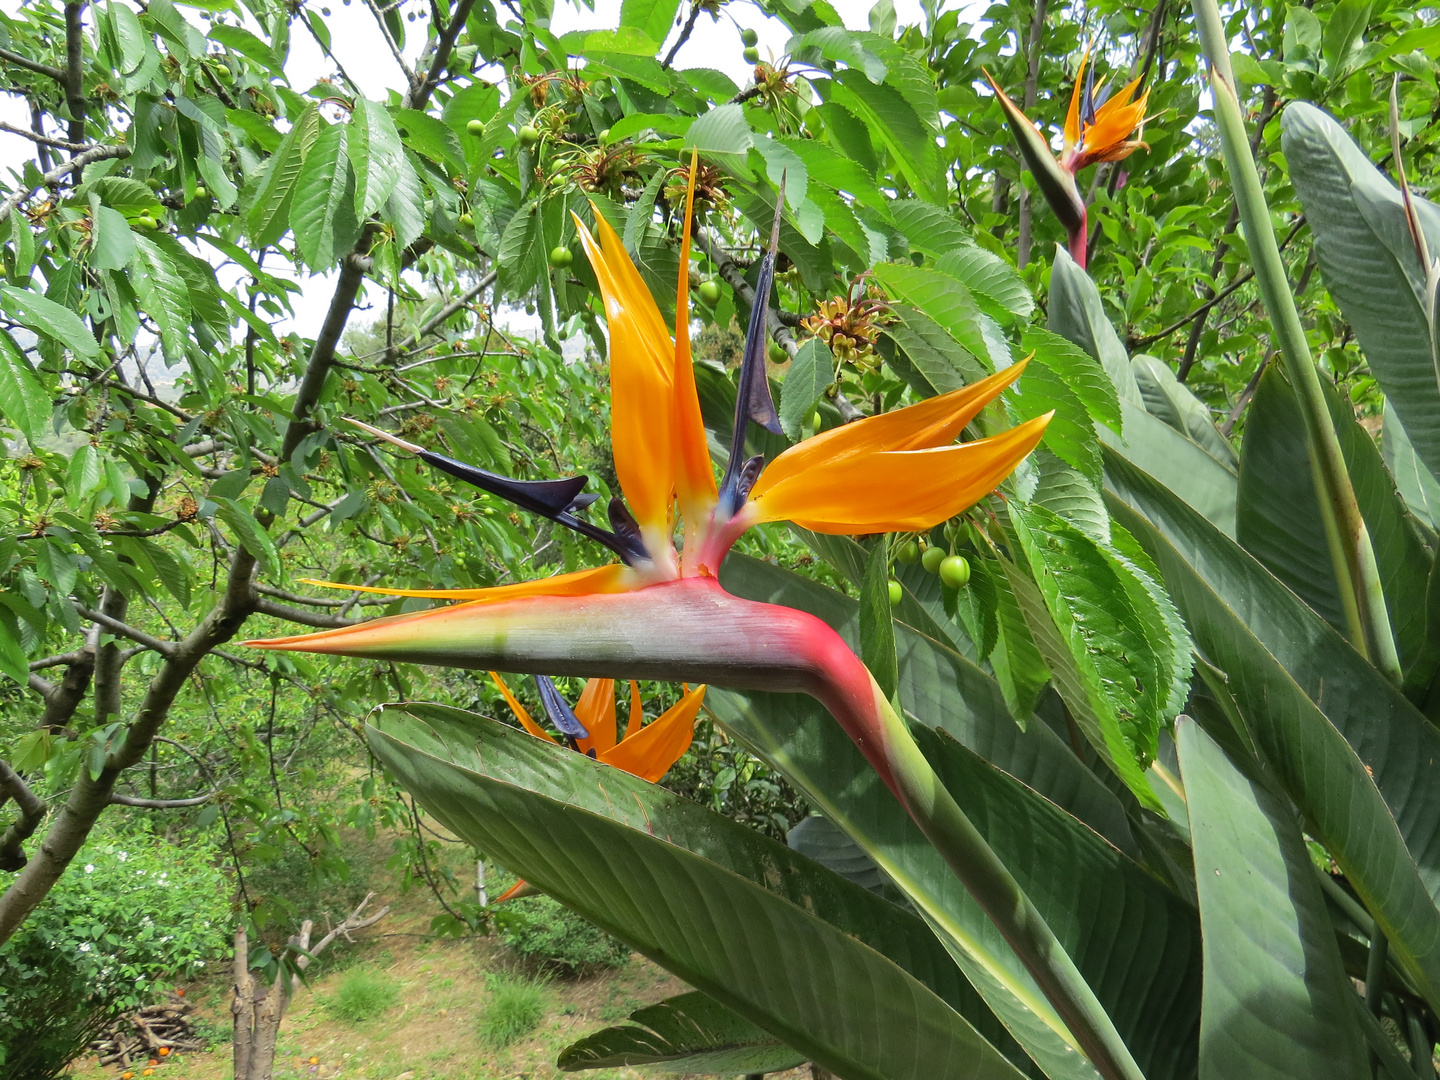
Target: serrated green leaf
(839, 44)
(24, 401)
(1090, 633)
(811, 371)
(111, 242)
(432, 138)
(405, 205)
(250, 533)
(270, 215)
(323, 216)
(172, 575)
(723, 135)
(521, 253)
(49, 319)
(895, 122)
(163, 296)
(949, 304)
(13, 661)
(691, 1033)
(989, 278)
(651, 17)
(84, 475)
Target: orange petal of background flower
(1115, 120)
(596, 710)
(694, 477)
(637, 710)
(602, 579)
(933, 422)
(1072, 118)
(642, 366)
(902, 491)
(650, 753)
(521, 713)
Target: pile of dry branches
(149, 1034)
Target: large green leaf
(1363, 246)
(1142, 964)
(24, 401)
(950, 305)
(1417, 486)
(894, 121)
(1170, 400)
(691, 1033)
(1275, 1003)
(845, 977)
(1278, 514)
(1285, 665)
(44, 316)
(375, 155)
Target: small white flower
(85, 946)
(124, 855)
(89, 867)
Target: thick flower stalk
(660, 612)
(1095, 131)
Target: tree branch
(444, 43)
(55, 175)
(685, 33)
(116, 799)
(37, 137)
(32, 809)
(317, 601)
(31, 65)
(300, 615)
(75, 72)
(124, 629)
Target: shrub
(560, 942)
(517, 1005)
(131, 911)
(363, 995)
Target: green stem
(1349, 540)
(986, 878)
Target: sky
(362, 51)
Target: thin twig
(43, 140)
(685, 33)
(55, 175)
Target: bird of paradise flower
(660, 612)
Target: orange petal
(904, 491)
(603, 579)
(596, 710)
(1072, 118)
(520, 711)
(661, 743)
(694, 478)
(933, 422)
(1115, 120)
(642, 367)
(637, 710)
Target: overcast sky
(358, 46)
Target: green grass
(516, 1007)
(363, 995)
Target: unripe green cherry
(908, 553)
(932, 558)
(955, 571)
(476, 127)
(201, 192)
(709, 292)
(751, 55)
(529, 135)
(146, 223)
(896, 593)
(776, 353)
(561, 256)
(467, 220)
(749, 38)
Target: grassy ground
(433, 1028)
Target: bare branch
(75, 73)
(410, 76)
(300, 615)
(318, 601)
(444, 43)
(352, 922)
(31, 65)
(124, 629)
(37, 137)
(32, 809)
(685, 33)
(116, 799)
